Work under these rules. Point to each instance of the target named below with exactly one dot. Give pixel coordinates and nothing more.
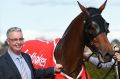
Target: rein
(99, 64)
(97, 53)
(112, 67)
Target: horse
(89, 29)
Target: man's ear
(7, 41)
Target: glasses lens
(21, 39)
(15, 39)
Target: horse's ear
(84, 10)
(102, 6)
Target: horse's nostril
(108, 57)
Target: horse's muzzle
(107, 57)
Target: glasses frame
(16, 39)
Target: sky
(49, 18)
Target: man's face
(15, 41)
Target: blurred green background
(96, 73)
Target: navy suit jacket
(8, 69)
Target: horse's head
(89, 28)
(95, 30)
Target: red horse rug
(42, 55)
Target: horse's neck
(74, 35)
(72, 46)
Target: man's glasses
(16, 39)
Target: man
(15, 64)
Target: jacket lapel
(28, 61)
(11, 64)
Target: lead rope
(109, 70)
(98, 66)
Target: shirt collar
(13, 55)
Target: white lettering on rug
(37, 60)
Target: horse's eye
(95, 28)
(92, 30)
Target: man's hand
(58, 68)
(117, 55)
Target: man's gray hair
(12, 29)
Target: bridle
(94, 49)
(89, 37)
(87, 42)
(87, 23)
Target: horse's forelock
(93, 11)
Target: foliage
(96, 73)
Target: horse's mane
(74, 21)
